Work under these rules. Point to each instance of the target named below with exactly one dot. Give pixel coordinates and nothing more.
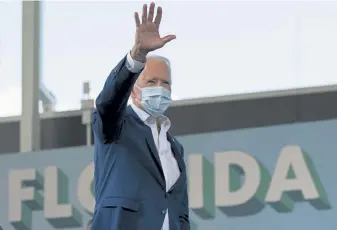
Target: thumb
(168, 38)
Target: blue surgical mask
(155, 100)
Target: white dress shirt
(168, 161)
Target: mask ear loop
(140, 91)
(138, 87)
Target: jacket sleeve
(112, 101)
(184, 212)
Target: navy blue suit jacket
(130, 188)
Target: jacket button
(163, 212)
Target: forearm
(112, 100)
(119, 84)
(117, 87)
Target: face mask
(155, 100)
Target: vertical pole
(30, 119)
(89, 139)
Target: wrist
(138, 55)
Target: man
(140, 174)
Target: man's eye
(151, 81)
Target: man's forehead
(156, 68)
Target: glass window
(10, 58)
(222, 47)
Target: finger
(151, 12)
(157, 20)
(137, 19)
(168, 38)
(144, 16)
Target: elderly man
(140, 174)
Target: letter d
(235, 195)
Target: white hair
(164, 59)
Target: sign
(279, 177)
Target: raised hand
(147, 33)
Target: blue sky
(222, 47)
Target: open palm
(147, 33)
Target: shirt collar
(145, 117)
(141, 113)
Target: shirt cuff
(133, 65)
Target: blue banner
(279, 177)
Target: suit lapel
(180, 161)
(154, 152)
(157, 169)
(154, 166)
(176, 152)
